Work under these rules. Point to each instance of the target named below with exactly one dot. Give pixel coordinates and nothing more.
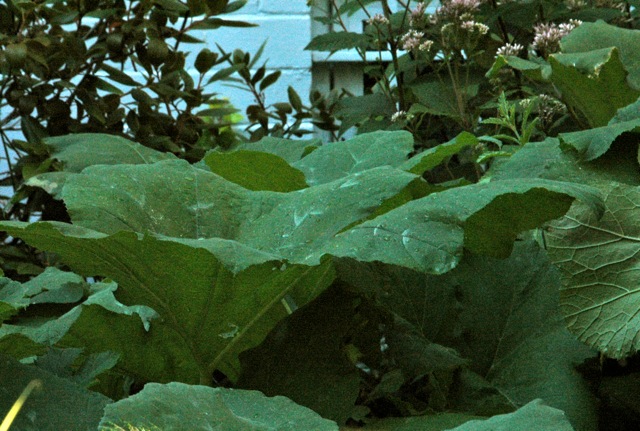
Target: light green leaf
(598, 259)
(53, 286)
(335, 160)
(433, 157)
(50, 331)
(198, 408)
(255, 170)
(58, 405)
(428, 234)
(628, 113)
(593, 82)
(536, 70)
(13, 297)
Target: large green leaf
(174, 199)
(533, 416)
(593, 82)
(429, 234)
(593, 143)
(598, 259)
(436, 422)
(591, 36)
(502, 315)
(207, 314)
(337, 160)
(168, 229)
(548, 160)
(58, 405)
(176, 406)
(79, 150)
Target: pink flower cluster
(547, 36)
(456, 10)
(417, 14)
(413, 40)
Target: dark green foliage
(386, 288)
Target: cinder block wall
(286, 26)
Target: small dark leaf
(119, 76)
(16, 54)
(235, 5)
(270, 79)
(294, 99)
(283, 107)
(214, 23)
(216, 7)
(205, 60)
(258, 75)
(157, 50)
(172, 5)
(225, 73)
(33, 131)
(104, 85)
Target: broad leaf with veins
(600, 298)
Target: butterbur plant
(201, 272)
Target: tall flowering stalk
(440, 58)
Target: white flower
(411, 40)
(509, 49)
(400, 115)
(426, 45)
(378, 19)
